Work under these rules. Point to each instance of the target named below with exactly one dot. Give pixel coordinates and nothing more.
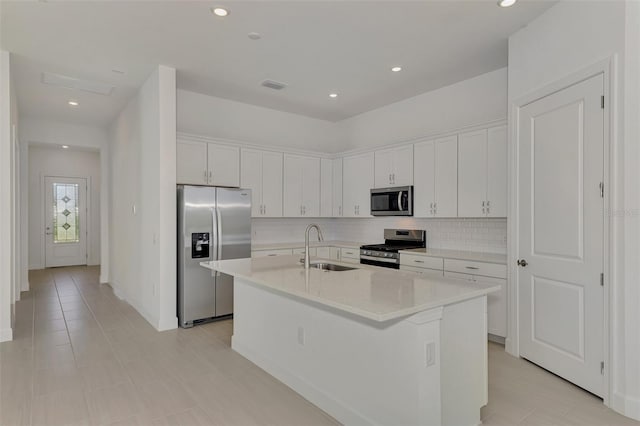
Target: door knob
(522, 262)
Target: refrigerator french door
(213, 224)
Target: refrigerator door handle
(218, 234)
(214, 234)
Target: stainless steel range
(386, 254)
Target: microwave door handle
(400, 201)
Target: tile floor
(82, 356)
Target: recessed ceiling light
(396, 69)
(254, 36)
(65, 146)
(73, 103)
(333, 95)
(219, 11)
(506, 3)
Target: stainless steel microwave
(396, 201)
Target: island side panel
(359, 371)
(464, 362)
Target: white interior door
(561, 225)
(65, 220)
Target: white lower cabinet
(480, 272)
(313, 251)
(350, 255)
(425, 272)
(334, 253)
(276, 252)
(323, 252)
(496, 302)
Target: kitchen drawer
(425, 272)
(265, 253)
(300, 250)
(350, 253)
(476, 268)
(421, 261)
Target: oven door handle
(379, 259)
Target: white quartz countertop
(276, 246)
(460, 254)
(378, 294)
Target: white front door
(65, 220)
(561, 225)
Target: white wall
(142, 172)
(221, 118)
(7, 258)
(482, 235)
(474, 101)
(42, 132)
(55, 161)
(567, 38)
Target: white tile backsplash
(482, 235)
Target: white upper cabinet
(436, 178)
(224, 165)
(326, 187)
(472, 174)
(337, 187)
(497, 172)
(358, 180)
(262, 173)
(482, 177)
(191, 163)
(394, 167)
(201, 163)
(301, 186)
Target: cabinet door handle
(488, 204)
(210, 176)
(472, 267)
(418, 261)
(205, 176)
(393, 176)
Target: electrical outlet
(429, 354)
(301, 336)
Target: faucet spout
(307, 260)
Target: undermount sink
(331, 267)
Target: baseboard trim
(336, 409)
(6, 334)
(167, 324)
(25, 285)
(625, 405)
(104, 279)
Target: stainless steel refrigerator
(213, 224)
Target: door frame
(607, 68)
(43, 218)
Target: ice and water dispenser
(199, 245)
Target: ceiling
(315, 47)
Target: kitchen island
(370, 345)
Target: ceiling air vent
(76, 83)
(275, 85)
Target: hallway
(82, 356)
